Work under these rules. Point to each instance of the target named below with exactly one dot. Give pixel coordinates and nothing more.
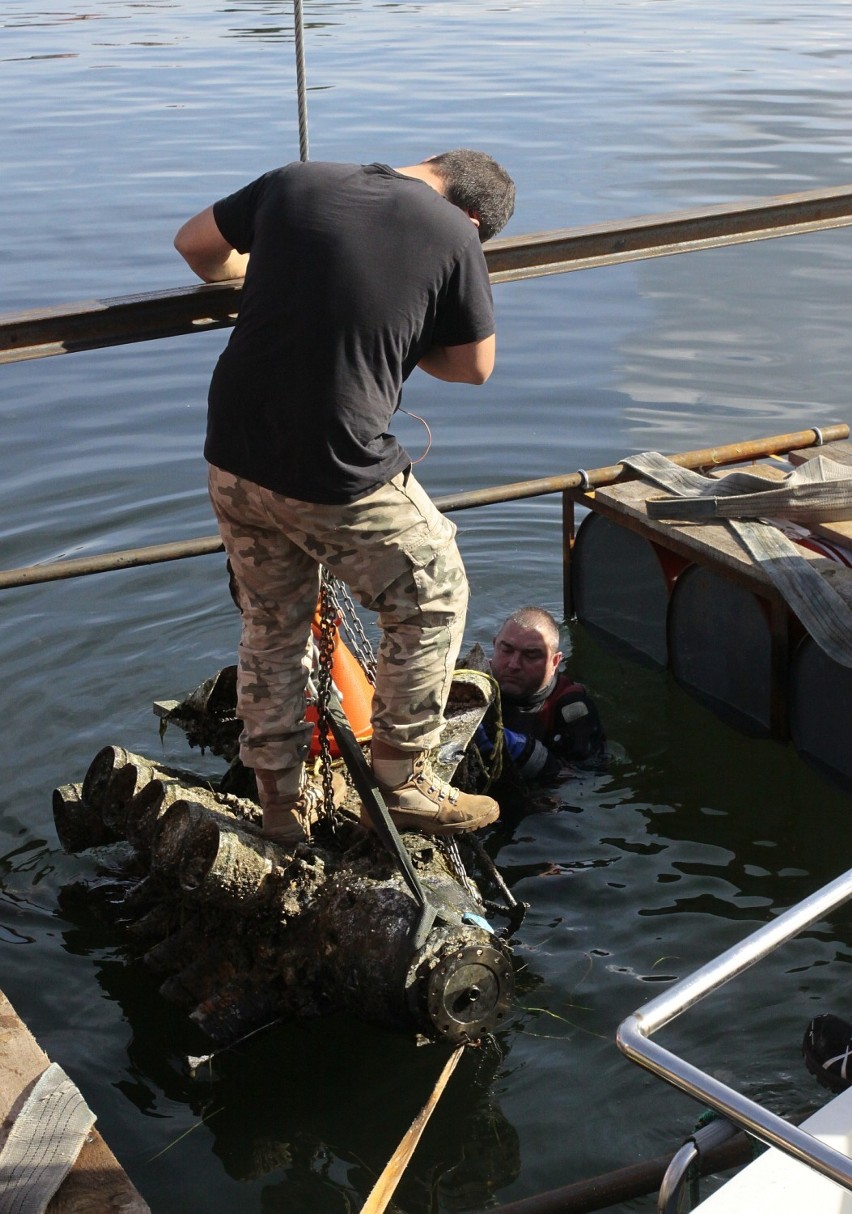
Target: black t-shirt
(355, 272)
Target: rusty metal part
(96, 323)
(92, 324)
(515, 910)
(128, 558)
(610, 1190)
(607, 244)
(469, 992)
(595, 478)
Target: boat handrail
(635, 1033)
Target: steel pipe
(612, 243)
(129, 558)
(705, 457)
(611, 1189)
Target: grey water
(123, 117)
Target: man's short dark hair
(479, 185)
(538, 618)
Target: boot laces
(426, 778)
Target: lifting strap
(46, 1137)
(742, 500)
(820, 491)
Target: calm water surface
(119, 120)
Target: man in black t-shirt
(354, 276)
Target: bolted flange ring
(469, 992)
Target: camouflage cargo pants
(398, 555)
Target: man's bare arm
(471, 363)
(206, 251)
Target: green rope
(492, 770)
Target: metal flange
(469, 992)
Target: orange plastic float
(356, 692)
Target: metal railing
(93, 324)
(96, 324)
(634, 1036)
(566, 484)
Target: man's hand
(206, 251)
(471, 363)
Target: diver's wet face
(522, 662)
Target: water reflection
(314, 1109)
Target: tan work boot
(426, 803)
(287, 816)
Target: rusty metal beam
(93, 324)
(96, 323)
(607, 244)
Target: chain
(450, 847)
(352, 626)
(328, 629)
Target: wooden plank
(97, 1181)
(840, 451)
(835, 533)
(710, 544)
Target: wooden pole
(384, 1188)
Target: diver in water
(549, 721)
